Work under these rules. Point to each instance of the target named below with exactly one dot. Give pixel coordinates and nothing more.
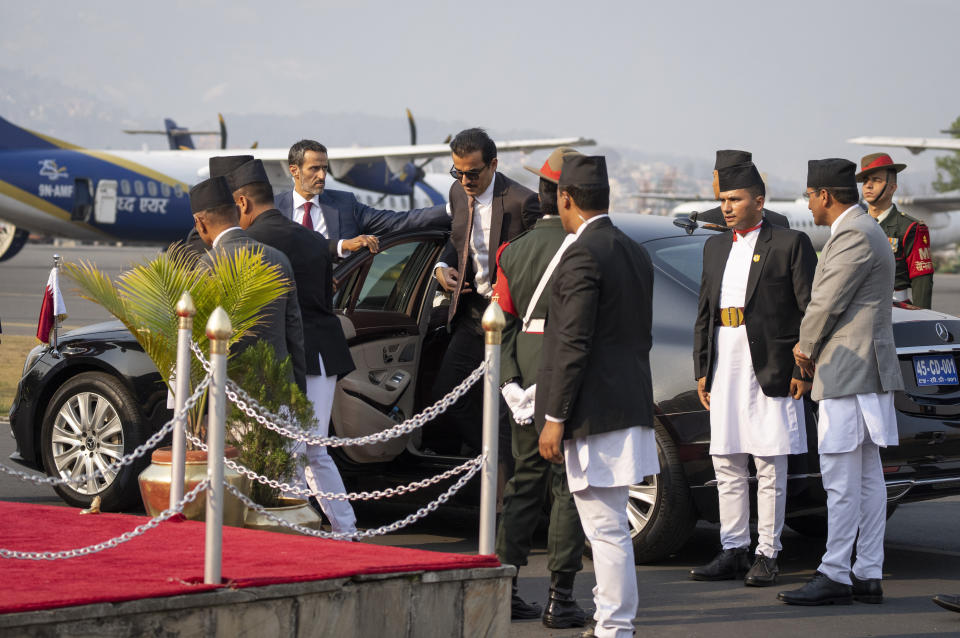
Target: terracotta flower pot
(155, 485)
(292, 510)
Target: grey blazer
(282, 327)
(847, 329)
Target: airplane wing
(670, 197)
(913, 144)
(342, 159)
(932, 203)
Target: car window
(679, 257)
(394, 276)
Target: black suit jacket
(313, 273)
(778, 291)
(595, 370)
(715, 216)
(515, 209)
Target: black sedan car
(100, 396)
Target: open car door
(385, 302)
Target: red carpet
(168, 560)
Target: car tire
(91, 420)
(660, 510)
(815, 525)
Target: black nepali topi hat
(588, 171)
(221, 165)
(737, 176)
(877, 162)
(833, 172)
(727, 158)
(249, 173)
(210, 193)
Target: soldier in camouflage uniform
(909, 237)
(521, 267)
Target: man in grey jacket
(216, 218)
(846, 342)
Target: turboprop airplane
(51, 187)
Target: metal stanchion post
(493, 324)
(219, 331)
(185, 311)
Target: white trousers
(603, 514)
(320, 472)
(856, 500)
(734, 491)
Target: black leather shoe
(763, 573)
(562, 610)
(819, 591)
(727, 565)
(867, 591)
(519, 608)
(948, 602)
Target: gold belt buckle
(731, 317)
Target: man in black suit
(337, 214)
(216, 219)
(594, 400)
(327, 354)
(724, 159)
(754, 290)
(489, 209)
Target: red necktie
(742, 233)
(307, 220)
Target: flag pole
(57, 262)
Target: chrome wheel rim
(641, 501)
(87, 436)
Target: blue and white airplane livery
(51, 187)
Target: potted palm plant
(143, 299)
(268, 381)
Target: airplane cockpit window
(138, 188)
(152, 188)
(165, 189)
(125, 186)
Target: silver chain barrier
(254, 410)
(367, 533)
(340, 496)
(114, 467)
(113, 542)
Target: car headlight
(32, 358)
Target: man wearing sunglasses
(489, 209)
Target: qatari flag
(53, 307)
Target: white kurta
(743, 420)
(845, 422)
(611, 459)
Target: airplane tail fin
(14, 137)
(178, 138)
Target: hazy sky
(788, 80)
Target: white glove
(517, 401)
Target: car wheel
(91, 421)
(660, 510)
(815, 525)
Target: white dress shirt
(479, 251)
(316, 216)
(216, 240)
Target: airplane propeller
(420, 173)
